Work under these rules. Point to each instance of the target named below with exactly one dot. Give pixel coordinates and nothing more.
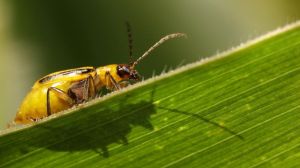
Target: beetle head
(126, 71)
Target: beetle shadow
(109, 127)
(203, 119)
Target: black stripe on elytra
(66, 73)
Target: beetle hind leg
(61, 94)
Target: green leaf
(238, 109)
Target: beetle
(63, 89)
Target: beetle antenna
(130, 40)
(162, 40)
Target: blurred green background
(39, 37)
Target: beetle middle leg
(63, 95)
(89, 88)
(82, 90)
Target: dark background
(39, 37)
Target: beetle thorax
(103, 76)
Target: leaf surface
(237, 109)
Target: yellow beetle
(61, 90)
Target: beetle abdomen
(34, 106)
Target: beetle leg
(113, 81)
(82, 90)
(61, 94)
(124, 83)
(89, 88)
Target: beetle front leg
(61, 94)
(112, 80)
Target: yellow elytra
(61, 90)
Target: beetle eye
(123, 71)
